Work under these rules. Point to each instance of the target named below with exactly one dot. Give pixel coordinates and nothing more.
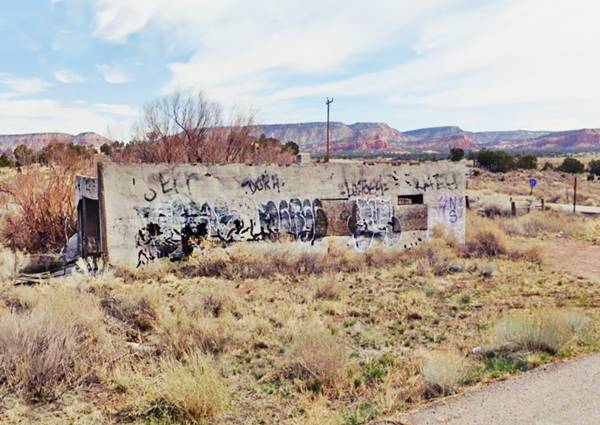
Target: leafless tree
(190, 129)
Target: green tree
(456, 154)
(571, 165)
(106, 149)
(527, 162)
(495, 161)
(6, 161)
(24, 155)
(594, 167)
(292, 147)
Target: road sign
(532, 184)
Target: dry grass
(542, 330)
(444, 371)
(188, 390)
(486, 241)
(320, 357)
(284, 335)
(42, 212)
(56, 346)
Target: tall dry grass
(444, 371)
(539, 330)
(55, 346)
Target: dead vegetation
(289, 336)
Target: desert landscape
(297, 333)
(255, 212)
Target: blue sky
(77, 65)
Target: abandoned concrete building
(134, 214)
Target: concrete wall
(153, 211)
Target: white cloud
(67, 77)
(18, 86)
(120, 109)
(241, 47)
(113, 74)
(46, 115)
(511, 63)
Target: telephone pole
(328, 102)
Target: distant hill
(374, 138)
(37, 141)
(383, 139)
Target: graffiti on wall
(373, 219)
(173, 229)
(450, 209)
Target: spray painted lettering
(373, 219)
(263, 182)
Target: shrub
(43, 214)
(320, 356)
(54, 347)
(180, 333)
(5, 161)
(495, 161)
(571, 165)
(594, 167)
(186, 390)
(327, 290)
(443, 371)
(486, 241)
(542, 330)
(456, 154)
(526, 162)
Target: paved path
(580, 209)
(567, 393)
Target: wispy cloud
(19, 86)
(66, 76)
(113, 74)
(484, 64)
(119, 109)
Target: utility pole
(328, 102)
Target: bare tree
(190, 129)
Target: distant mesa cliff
(381, 138)
(39, 140)
(373, 138)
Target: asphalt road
(567, 393)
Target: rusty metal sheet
(410, 217)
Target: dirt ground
(577, 258)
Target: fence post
(513, 208)
(575, 195)
(467, 202)
(543, 207)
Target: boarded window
(410, 199)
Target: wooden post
(543, 207)
(467, 202)
(575, 196)
(513, 208)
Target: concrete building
(134, 214)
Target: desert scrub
(186, 390)
(443, 371)
(486, 241)
(54, 347)
(319, 358)
(540, 330)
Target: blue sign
(532, 183)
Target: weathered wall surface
(154, 211)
